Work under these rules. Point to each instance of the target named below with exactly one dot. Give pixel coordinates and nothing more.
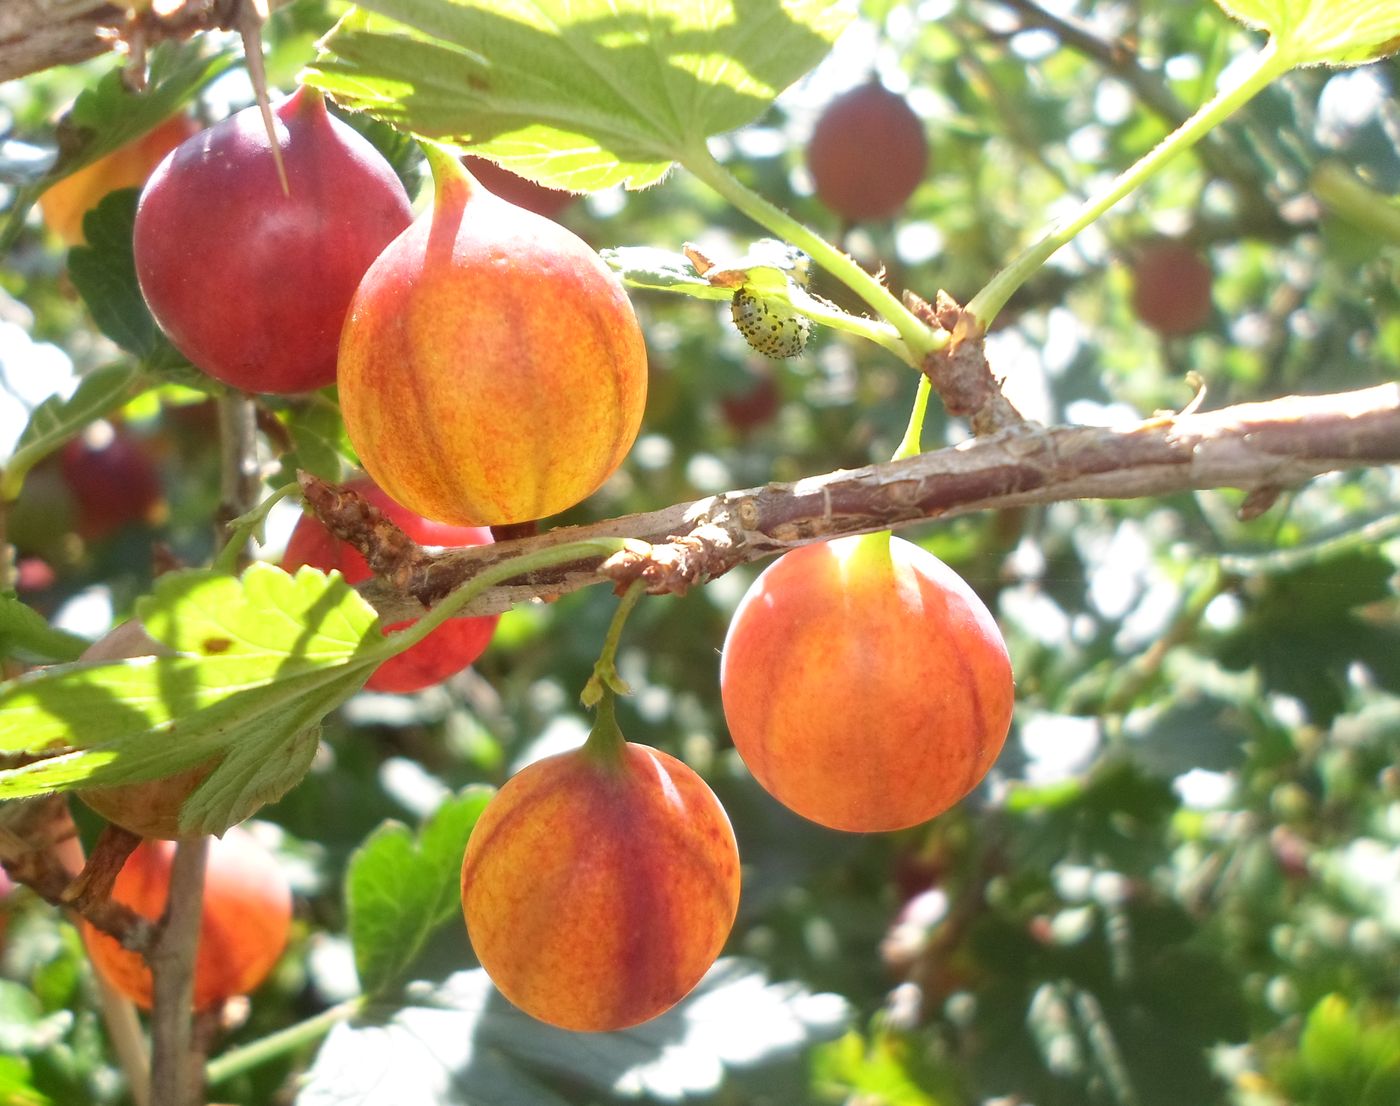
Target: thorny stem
(176, 1073)
(239, 485)
(1267, 66)
(1280, 443)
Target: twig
(1281, 443)
(959, 371)
(124, 1031)
(176, 1071)
(239, 486)
(1155, 94)
(38, 34)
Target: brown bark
(1257, 447)
(39, 34)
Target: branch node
(673, 567)
(389, 552)
(960, 373)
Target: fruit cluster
(490, 371)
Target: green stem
(872, 330)
(256, 1053)
(247, 526)
(918, 339)
(411, 635)
(1268, 65)
(913, 443)
(1347, 195)
(605, 668)
(605, 740)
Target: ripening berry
(867, 154)
(865, 684)
(247, 917)
(1171, 288)
(600, 885)
(447, 650)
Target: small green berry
(772, 329)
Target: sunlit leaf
(1332, 32)
(576, 94)
(56, 420)
(27, 636)
(260, 660)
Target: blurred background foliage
(1181, 883)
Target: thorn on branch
(959, 371)
(1257, 501)
(389, 552)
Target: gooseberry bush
(457, 647)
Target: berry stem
(913, 443)
(605, 669)
(919, 340)
(450, 176)
(1267, 65)
(605, 740)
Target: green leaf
(108, 115)
(1323, 32)
(462, 1044)
(56, 420)
(27, 636)
(1305, 627)
(15, 1086)
(104, 272)
(321, 445)
(771, 270)
(399, 890)
(259, 661)
(661, 271)
(1345, 1055)
(24, 1026)
(576, 94)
